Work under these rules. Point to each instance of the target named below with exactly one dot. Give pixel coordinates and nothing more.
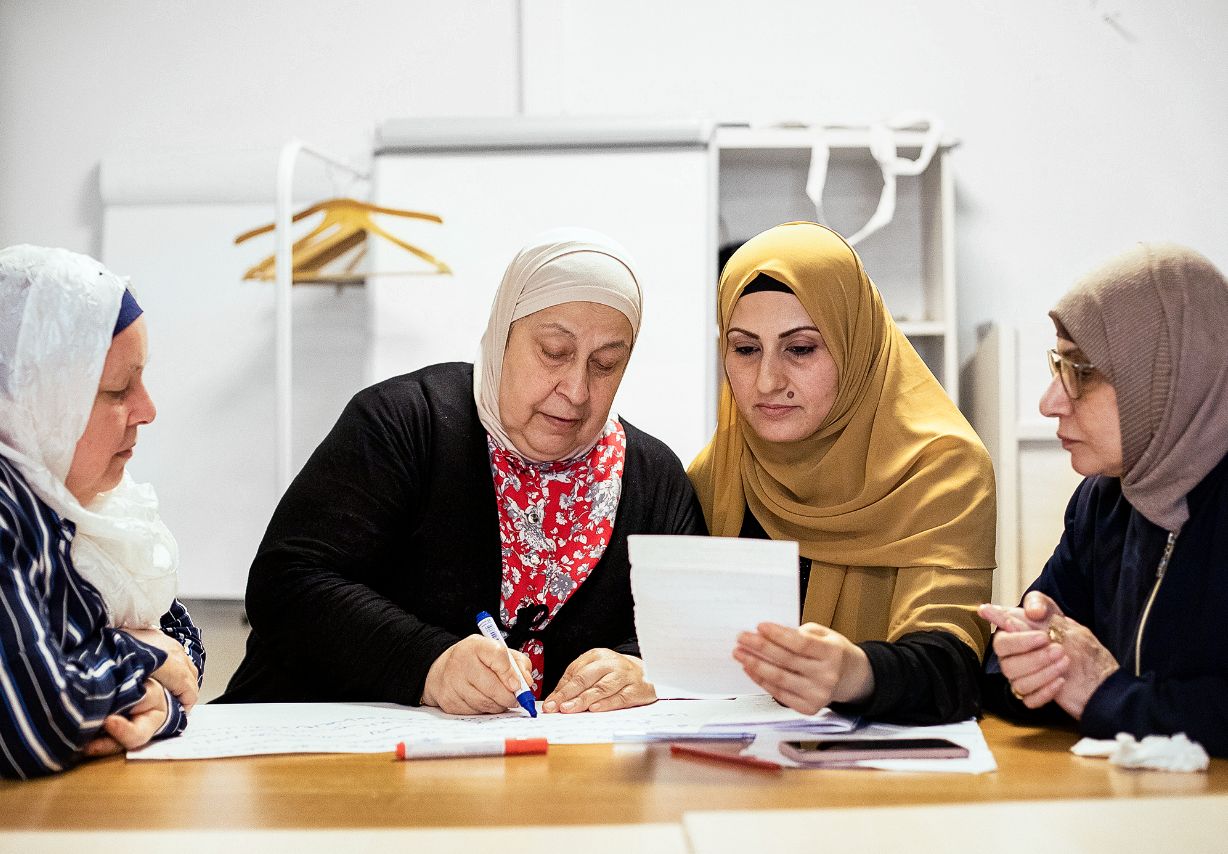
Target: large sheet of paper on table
(266, 728)
(693, 595)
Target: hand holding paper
(806, 668)
(695, 595)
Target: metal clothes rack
(284, 306)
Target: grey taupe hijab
(1152, 321)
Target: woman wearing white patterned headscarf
(95, 652)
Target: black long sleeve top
(386, 546)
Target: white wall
(1086, 124)
(80, 82)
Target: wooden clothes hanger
(345, 227)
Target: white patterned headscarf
(57, 313)
(557, 266)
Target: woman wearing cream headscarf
(96, 654)
(507, 486)
(1123, 630)
(832, 432)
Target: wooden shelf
(799, 137)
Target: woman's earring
(789, 395)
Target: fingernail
(595, 707)
(569, 704)
(551, 705)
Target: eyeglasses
(1073, 374)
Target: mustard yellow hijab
(895, 476)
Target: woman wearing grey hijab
(507, 486)
(1123, 631)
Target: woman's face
(122, 405)
(783, 377)
(561, 369)
(1088, 427)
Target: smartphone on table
(832, 750)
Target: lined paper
(694, 595)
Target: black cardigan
(386, 546)
(1102, 574)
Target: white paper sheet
(266, 728)
(693, 595)
(966, 734)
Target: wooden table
(572, 785)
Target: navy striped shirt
(62, 668)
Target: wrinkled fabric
(557, 266)
(129, 311)
(895, 476)
(1152, 321)
(1156, 752)
(57, 313)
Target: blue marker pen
(486, 625)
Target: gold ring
(1057, 633)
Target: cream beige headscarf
(894, 477)
(557, 266)
(1152, 320)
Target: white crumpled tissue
(1157, 752)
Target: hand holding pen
(486, 625)
(476, 676)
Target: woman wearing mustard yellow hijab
(832, 432)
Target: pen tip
(527, 703)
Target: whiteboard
(656, 201)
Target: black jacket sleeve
(308, 597)
(923, 678)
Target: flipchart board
(648, 184)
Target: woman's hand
(134, 727)
(601, 680)
(806, 668)
(1047, 656)
(474, 677)
(177, 673)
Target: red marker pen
(436, 749)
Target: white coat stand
(284, 307)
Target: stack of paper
(782, 722)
